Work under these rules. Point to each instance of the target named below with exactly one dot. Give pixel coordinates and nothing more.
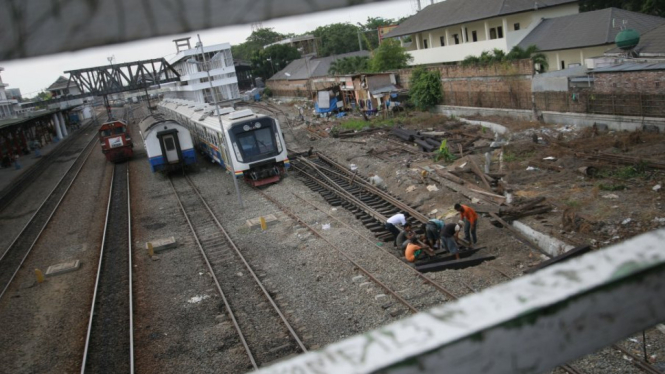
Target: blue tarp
(331, 108)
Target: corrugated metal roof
(455, 12)
(59, 84)
(586, 29)
(630, 66)
(651, 43)
(318, 67)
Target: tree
(349, 65)
(390, 55)
(371, 33)
(425, 88)
(337, 38)
(267, 62)
(255, 42)
(497, 56)
(539, 59)
(653, 7)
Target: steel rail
(130, 269)
(339, 190)
(99, 271)
(214, 277)
(391, 199)
(416, 272)
(249, 268)
(362, 269)
(48, 220)
(97, 277)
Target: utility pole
(219, 118)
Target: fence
(641, 105)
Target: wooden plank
(463, 190)
(454, 264)
(479, 173)
(578, 251)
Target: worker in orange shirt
(470, 218)
(415, 250)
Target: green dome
(627, 39)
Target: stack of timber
(526, 208)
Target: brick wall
(644, 82)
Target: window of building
(474, 36)
(492, 33)
(563, 64)
(442, 39)
(516, 26)
(456, 37)
(499, 32)
(466, 34)
(425, 43)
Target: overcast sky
(35, 74)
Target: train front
(116, 141)
(260, 151)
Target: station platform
(9, 175)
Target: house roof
(305, 68)
(651, 43)
(59, 84)
(455, 12)
(587, 29)
(630, 66)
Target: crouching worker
(415, 250)
(449, 237)
(393, 222)
(403, 237)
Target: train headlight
(246, 128)
(238, 155)
(279, 143)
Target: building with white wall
(194, 83)
(451, 30)
(571, 40)
(8, 107)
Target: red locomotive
(116, 141)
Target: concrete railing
(529, 325)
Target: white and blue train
(248, 144)
(168, 143)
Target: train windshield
(257, 142)
(119, 130)
(105, 133)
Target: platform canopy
(31, 28)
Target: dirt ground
(616, 202)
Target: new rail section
(224, 260)
(109, 346)
(14, 256)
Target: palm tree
(531, 52)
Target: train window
(256, 142)
(105, 133)
(119, 130)
(169, 143)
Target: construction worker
(392, 222)
(433, 229)
(403, 237)
(415, 250)
(470, 218)
(449, 236)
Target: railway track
(264, 332)
(109, 346)
(343, 187)
(13, 257)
